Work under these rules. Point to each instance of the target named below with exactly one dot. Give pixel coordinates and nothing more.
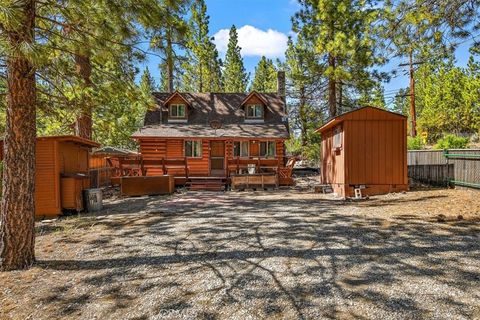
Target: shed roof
(108, 150)
(363, 113)
(72, 138)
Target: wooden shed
(62, 166)
(366, 149)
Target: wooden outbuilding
(62, 167)
(104, 164)
(365, 149)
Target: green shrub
(415, 143)
(451, 141)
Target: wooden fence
(460, 167)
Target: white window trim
(250, 120)
(185, 148)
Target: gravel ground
(254, 255)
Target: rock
(441, 218)
(460, 217)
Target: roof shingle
(223, 107)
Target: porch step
(207, 185)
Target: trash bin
(93, 199)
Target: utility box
(93, 199)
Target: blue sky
(264, 26)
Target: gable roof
(176, 94)
(223, 107)
(364, 113)
(251, 94)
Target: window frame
(268, 142)
(254, 106)
(177, 105)
(194, 141)
(337, 138)
(240, 142)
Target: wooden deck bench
(254, 181)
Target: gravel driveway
(282, 254)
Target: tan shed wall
(373, 154)
(47, 179)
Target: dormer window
(254, 111)
(177, 111)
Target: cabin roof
(225, 108)
(345, 116)
(206, 131)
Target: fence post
(445, 154)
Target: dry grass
(237, 255)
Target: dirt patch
(281, 254)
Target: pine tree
(17, 232)
(167, 37)
(147, 88)
(304, 91)
(202, 66)
(61, 61)
(343, 33)
(235, 76)
(265, 78)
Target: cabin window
(241, 148)
(177, 111)
(337, 137)
(267, 149)
(193, 148)
(255, 111)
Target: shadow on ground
(264, 256)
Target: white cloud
(254, 42)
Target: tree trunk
(84, 123)
(332, 89)
(170, 62)
(303, 116)
(340, 97)
(17, 222)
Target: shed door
(217, 157)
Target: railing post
(186, 168)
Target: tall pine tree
(344, 35)
(234, 76)
(202, 66)
(265, 78)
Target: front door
(217, 158)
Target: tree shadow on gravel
(219, 255)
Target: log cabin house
(218, 134)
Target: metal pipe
(459, 155)
(466, 184)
